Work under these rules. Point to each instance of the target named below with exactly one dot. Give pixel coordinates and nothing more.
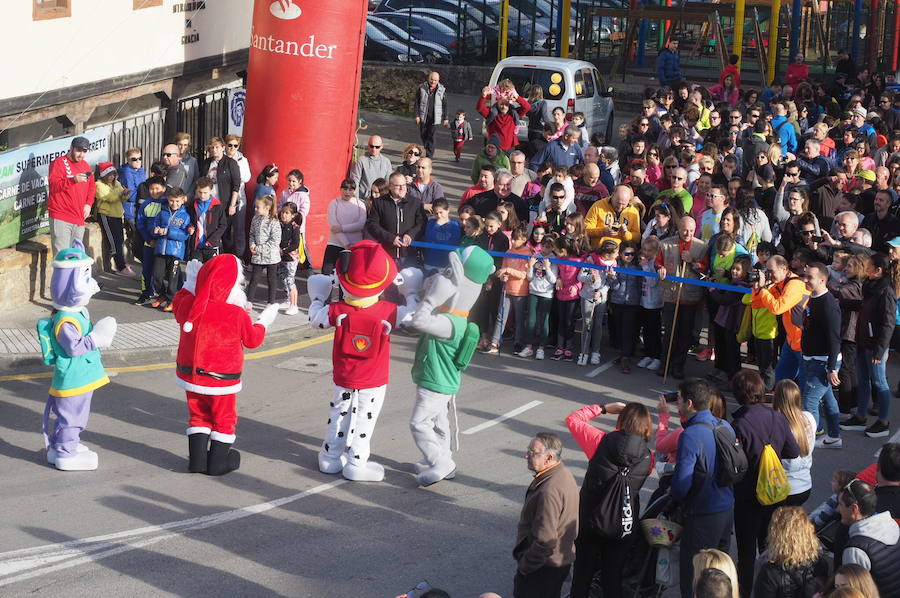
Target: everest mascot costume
(361, 353)
(72, 345)
(215, 329)
(444, 350)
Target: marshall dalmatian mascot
(444, 350)
(362, 350)
(215, 329)
(72, 345)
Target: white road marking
(599, 370)
(502, 418)
(894, 438)
(27, 563)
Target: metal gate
(203, 116)
(145, 132)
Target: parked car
(382, 48)
(422, 27)
(430, 51)
(473, 10)
(475, 39)
(574, 85)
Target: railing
(203, 116)
(145, 132)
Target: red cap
(215, 282)
(369, 272)
(105, 168)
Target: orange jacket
(517, 283)
(787, 299)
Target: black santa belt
(188, 370)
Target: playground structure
(759, 32)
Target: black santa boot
(198, 451)
(222, 458)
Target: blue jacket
(555, 153)
(445, 234)
(131, 178)
(625, 289)
(697, 491)
(146, 216)
(786, 134)
(668, 67)
(176, 224)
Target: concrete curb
(32, 363)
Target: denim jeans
(868, 374)
(790, 365)
(817, 389)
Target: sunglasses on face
(807, 233)
(670, 166)
(559, 196)
(412, 153)
(135, 159)
(234, 145)
(628, 254)
(374, 146)
(677, 178)
(754, 115)
(792, 173)
(645, 124)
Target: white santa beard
(237, 296)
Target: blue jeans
(818, 388)
(867, 374)
(790, 365)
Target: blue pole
(642, 39)
(796, 21)
(857, 24)
(559, 29)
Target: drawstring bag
(772, 485)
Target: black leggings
(115, 237)
(271, 280)
(565, 331)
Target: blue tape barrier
(700, 283)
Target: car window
(552, 82)
(600, 85)
(579, 85)
(588, 83)
(375, 33)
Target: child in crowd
(265, 246)
(210, 221)
(266, 181)
(625, 301)
(473, 232)
(568, 288)
(650, 313)
(594, 293)
(486, 306)
(291, 247)
(513, 274)
(836, 275)
(541, 284)
(297, 194)
(578, 120)
(144, 223)
(508, 218)
(828, 510)
(538, 234)
(575, 230)
(109, 197)
(662, 226)
(132, 175)
(171, 229)
(443, 231)
(504, 90)
(730, 314)
(460, 132)
(463, 212)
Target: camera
(758, 275)
(816, 239)
(671, 397)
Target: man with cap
(865, 131)
(490, 154)
(881, 223)
(361, 353)
(444, 350)
(215, 329)
(71, 195)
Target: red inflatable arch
(302, 97)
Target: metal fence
(146, 132)
(203, 116)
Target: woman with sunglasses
(409, 165)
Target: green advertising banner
(23, 183)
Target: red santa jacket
(211, 356)
(68, 198)
(362, 347)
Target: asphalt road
(141, 526)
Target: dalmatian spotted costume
(361, 353)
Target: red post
(302, 95)
(896, 32)
(873, 34)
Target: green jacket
(75, 375)
(765, 323)
(500, 161)
(434, 367)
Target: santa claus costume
(215, 329)
(360, 357)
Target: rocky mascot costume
(215, 329)
(361, 354)
(443, 352)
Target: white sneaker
(645, 362)
(539, 353)
(525, 352)
(654, 365)
(293, 310)
(595, 358)
(827, 442)
(582, 359)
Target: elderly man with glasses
(521, 175)
(370, 167)
(562, 151)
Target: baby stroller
(655, 557)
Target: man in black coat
(881, 223)
(227, 175)
(486, 202)
(396, 221)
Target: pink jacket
(567, 282)
(666, 441)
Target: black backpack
(731, 462)
(613, 517)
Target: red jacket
(731, 69)
(211, 356)
(362, 346)
(68, 198)
(503, 125)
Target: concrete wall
(25, 268)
